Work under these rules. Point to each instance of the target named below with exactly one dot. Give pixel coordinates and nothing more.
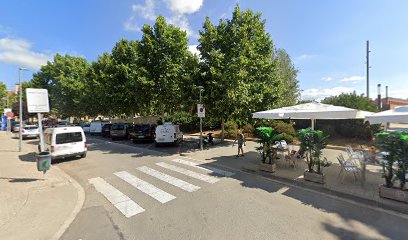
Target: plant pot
(267, 167)
(393, 193)
(313, 177)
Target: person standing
(241, 141)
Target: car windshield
(118, 127)
(142, 128)
(71, 137)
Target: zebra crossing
(129, 207)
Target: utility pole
(368, 67)
(201, 88)
(20, 89)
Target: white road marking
(145, 187)
(206, 168)
(169, 179)
(122, 202)
(189, 173)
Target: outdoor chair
(354, 155)
(348, 166)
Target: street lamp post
(201, 88)
(20, 88)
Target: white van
(64, 142)
(96, 127)
(168, 133)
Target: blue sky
(326, 39)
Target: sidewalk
(364, 192)
(33, 205)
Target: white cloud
(352, 79)
(305, 56)
(18, 51)
(193, 49)
(184, 6)
(178, 8)
(315, 93)
(181, 21)
(327, 79)
(146, 11)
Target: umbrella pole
(313, 124)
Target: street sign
(200, 111)
(37, 100)
(9, 115)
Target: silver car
(30, 131)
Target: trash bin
(43, 161)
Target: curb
(77, 208)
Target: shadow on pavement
(385, 224)
(29, 157)
(22, 180)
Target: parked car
(86, 127)
(106, 130)
(168, 133)
(143, 132)
(120, 131)
(95, 127)
(30, 131)
(15, 128)
(66, 141)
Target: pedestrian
(241, 141)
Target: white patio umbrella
(312, 111)
(397, 115)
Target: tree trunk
(222, 130)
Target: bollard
(43, 161)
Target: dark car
(120, 131)
(106, 130)
(143, 132)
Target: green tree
(288, 75)
(351, 100)
(239, 67)
(65, 79)
(115, 85)
(3, 95)
(166, 68)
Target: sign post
(37, 102)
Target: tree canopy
(239, 67)
(351, 100)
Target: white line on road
(206, 168)
(189, 173)
(169, 179)
(145, 187)
(122, 202)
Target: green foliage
(239, 68)
(187, 121)
(248, 129)
(282, 127)
(351, 100)
(284, 136)
(312, 142)
(167, 68)
(231, 129)
(396, 145)
(265, 138)
(64, 78)
(3, 95)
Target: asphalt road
(204, 204)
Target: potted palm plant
(265, 138)
(395, 164)
(312, 143)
